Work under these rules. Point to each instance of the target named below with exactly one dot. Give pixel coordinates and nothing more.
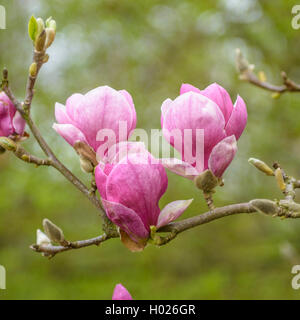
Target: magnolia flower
(130, 191)
(92, 118)
(11, 122)
(121, 293)
(222, 123)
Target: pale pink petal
(61, 114)
(222, 155)
(102, 108)
(180, 167)
(185, 87)
(164, 109)
(238, 120)
(121, 293)
(128, 97)
(69, 132)
(221, 97)
(172, 211)
(19, 123)
(127, 219)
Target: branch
(38, 58)
(50, 250)
(246, 73)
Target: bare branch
(246, 73)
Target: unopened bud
(8, 144)
(279, 179)
(54, 232)
(45, 58)
(86, 165)
(40, 41)
(262, 76)
(50, 23)
(42, 239)
(40, 26)
(275, 95)
(265, 206)
(262, 166)
(206, 181)
(33, 70)
(50, 36)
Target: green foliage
(150, 48)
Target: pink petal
(180, 167)
(138, 184)
(69, 132)
(164, 109)
(101, 108)
(238, 120)
(172, 211)
(128, 97)
(19, 123)
(6, 127)
(121, 293)
(127, 219)
(185, 87)
(189, 112)
(221, 97)
(222, 155)
(61, 114)
(101, 179)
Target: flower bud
(50, 36)
(40, 41)
(33, 70)
(54, 232)
(50, 23)
(206, 181)
(86, 165)
(265, 206)
(260, 165)
(279, 179)
(8, 144)
(46, 58)
(42, 239)
(40, 26)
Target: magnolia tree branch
(246, 73)
(24, 109)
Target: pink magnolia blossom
(212, 111)
(130, 189)
(100, 110)
(11, 122)
(121, 293)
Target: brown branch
(51, 250)
(246, 73)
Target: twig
(246, 73)
(52, 250)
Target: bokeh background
(150, 47)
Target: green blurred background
(150, 48)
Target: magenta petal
(127, 219)
(19, 123)
(185, 87)
(172, 211)
(221, 97)
(222, 155)
(238, 119)
(6, 128)
(101, 178)
(180, 167)
(70, 133)
(121, 293)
